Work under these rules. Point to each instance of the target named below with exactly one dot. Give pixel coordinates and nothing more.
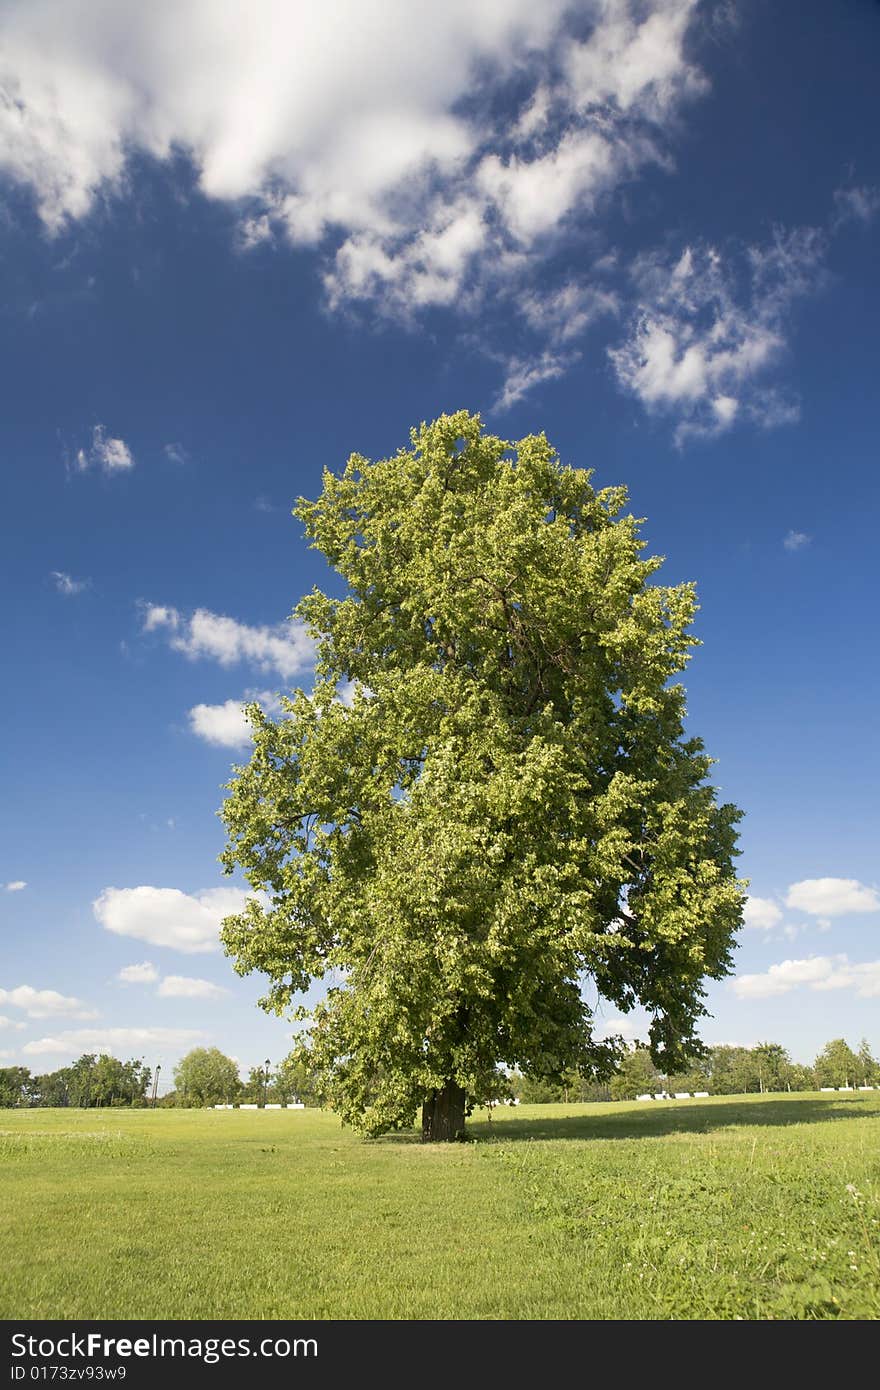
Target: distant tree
(732, 1071)
(296, 1079)
(869, 1067)
(118, 1083)
(535, 1090)
(507, 802)
(15, 1086)
(93, 1081)
(773, 1066)
(206, 1076)
(694, 1079)
(636, 1075)
(801, 1078)
(52, 1089)
(78, 1078)
(837, 1065)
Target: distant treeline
(721, 1071)
(205, 1076)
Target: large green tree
(206, 1075)
(488, 797)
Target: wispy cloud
(115, 1041)
(143, 974)
(285, 648)
(175, 453)
(856, 204)
(709, 326)
(796, 540)
(188, 987)
(16, 885)
(67, 585)
(524, 374)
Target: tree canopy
(206, 1075)
(488, 800)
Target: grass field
(728, 1208)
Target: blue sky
(239, 245)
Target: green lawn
(727, 1208)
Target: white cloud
(566, 312)
(156, 615)
(815, 973)
(761, 914)
(832, 897)
(286, 648)
(115, 1041)
(143, 974)
(857, 204)
(10, 1023)
(524, 374)
(352, 124)
(17, 885)
(796, 540)
(108, 454)
(186, 987)
(620, 1027)
(223, 725)
(226, 725)
(67, 585)
(175, 453)
(167, 917)
(707, 329)
(44, 1003)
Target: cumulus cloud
(17, 885)
(323, 126)
(168, 917)
(285, 648)
(815, 973)
(143, 974)
(115, 1041)
(187, 987)
(761, 914)
(225, 725)
(67, 585)
(104, 452)
(10, 1023)
(708, 327)
(832, 897)
(45, 1003)
(796, 540)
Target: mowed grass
(729, 1208)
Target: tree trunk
(443, 1115)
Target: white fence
(293, 1105)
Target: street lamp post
(155, 1084)
(266, 1083)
